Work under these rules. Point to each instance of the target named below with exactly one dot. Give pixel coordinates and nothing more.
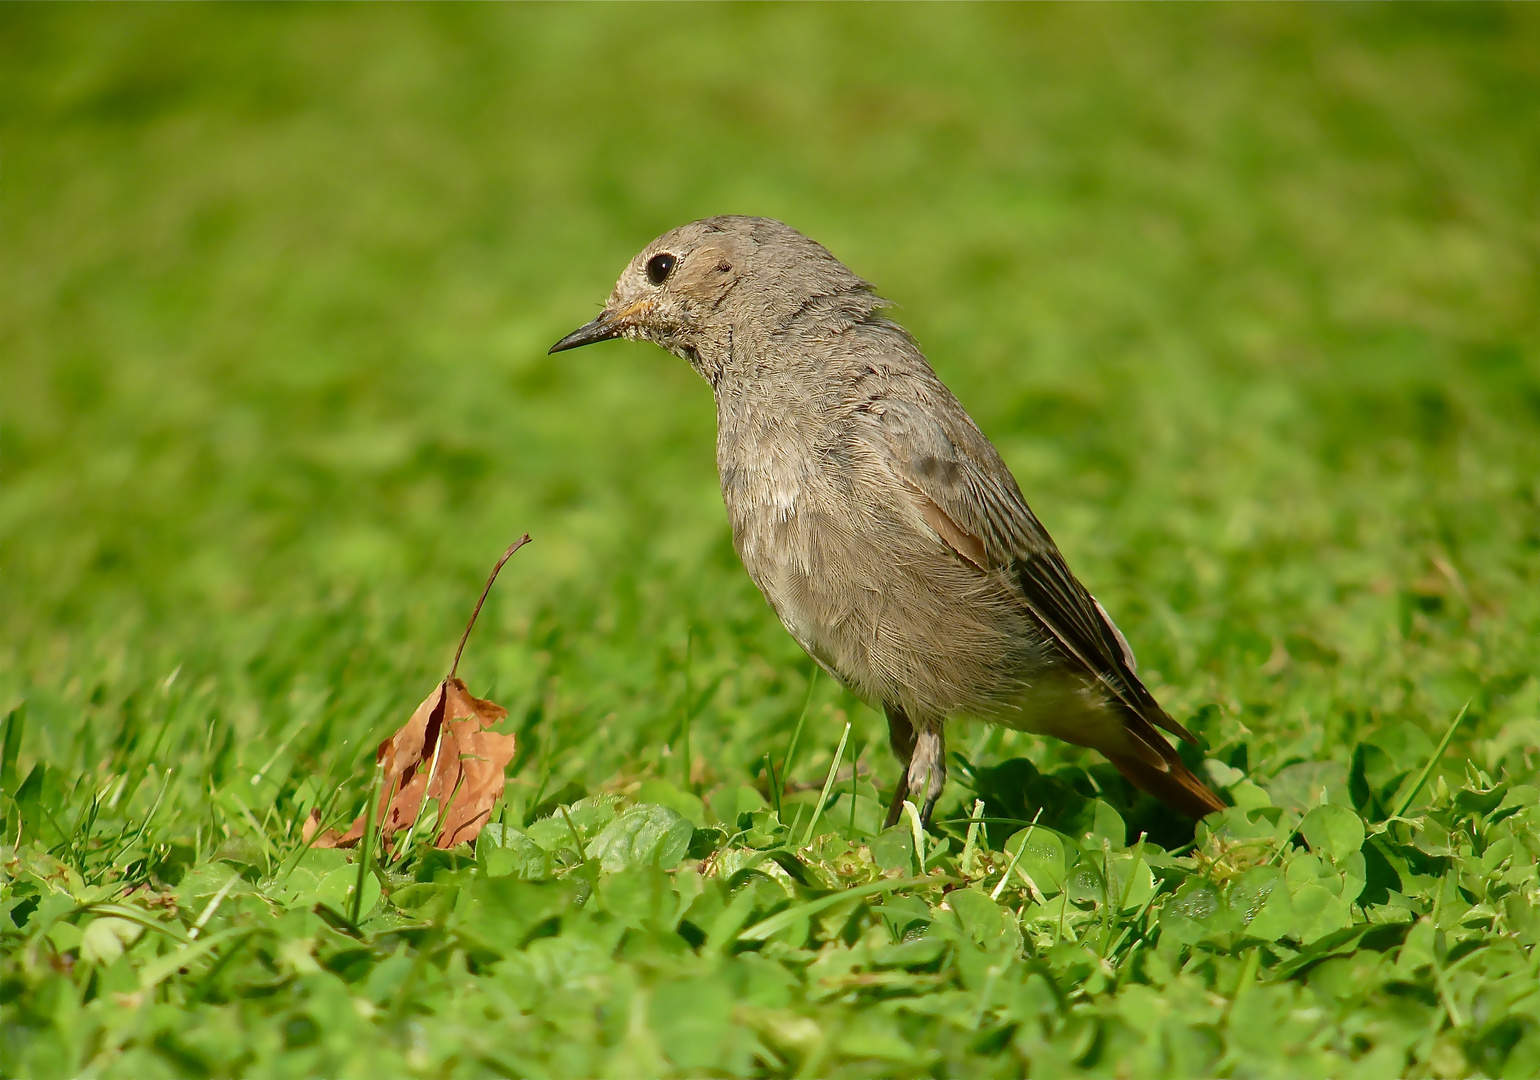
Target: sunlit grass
(1247, 297)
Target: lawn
(1248, 297)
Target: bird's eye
(659, 267)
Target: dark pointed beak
(606, 326)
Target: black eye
(659, 267)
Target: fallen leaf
(444, 752)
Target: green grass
(1248, 297)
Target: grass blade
(157, 970)
(10, 746)
(766, 928)
(773, 786)
(1000, 887)
(1427, 770)
(366, 845)
(796, 737)
(828, 786)
(136, 915)
(970, 845)
(918, 830)
(855, 774)
(213, 906)
(438, 746)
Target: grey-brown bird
(876, 518)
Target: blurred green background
(1248, 297)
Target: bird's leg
(927, 767)
(901, 739)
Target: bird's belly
(895, 620)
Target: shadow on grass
(1016, 789)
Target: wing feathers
(964, 492)
(965, 544)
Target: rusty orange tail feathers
(1179, 788)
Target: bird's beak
(603, 328)
(608, 325)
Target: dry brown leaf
(444, 752)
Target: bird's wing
(966, 494)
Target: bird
(877, 519)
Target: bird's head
(693, 286)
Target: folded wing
(965, 493)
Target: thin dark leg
(901, 738)
(896, 807)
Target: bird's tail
(1178, 788)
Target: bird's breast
(768, 490)
(859, 581)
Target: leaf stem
(577, 838)
(520, 542)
